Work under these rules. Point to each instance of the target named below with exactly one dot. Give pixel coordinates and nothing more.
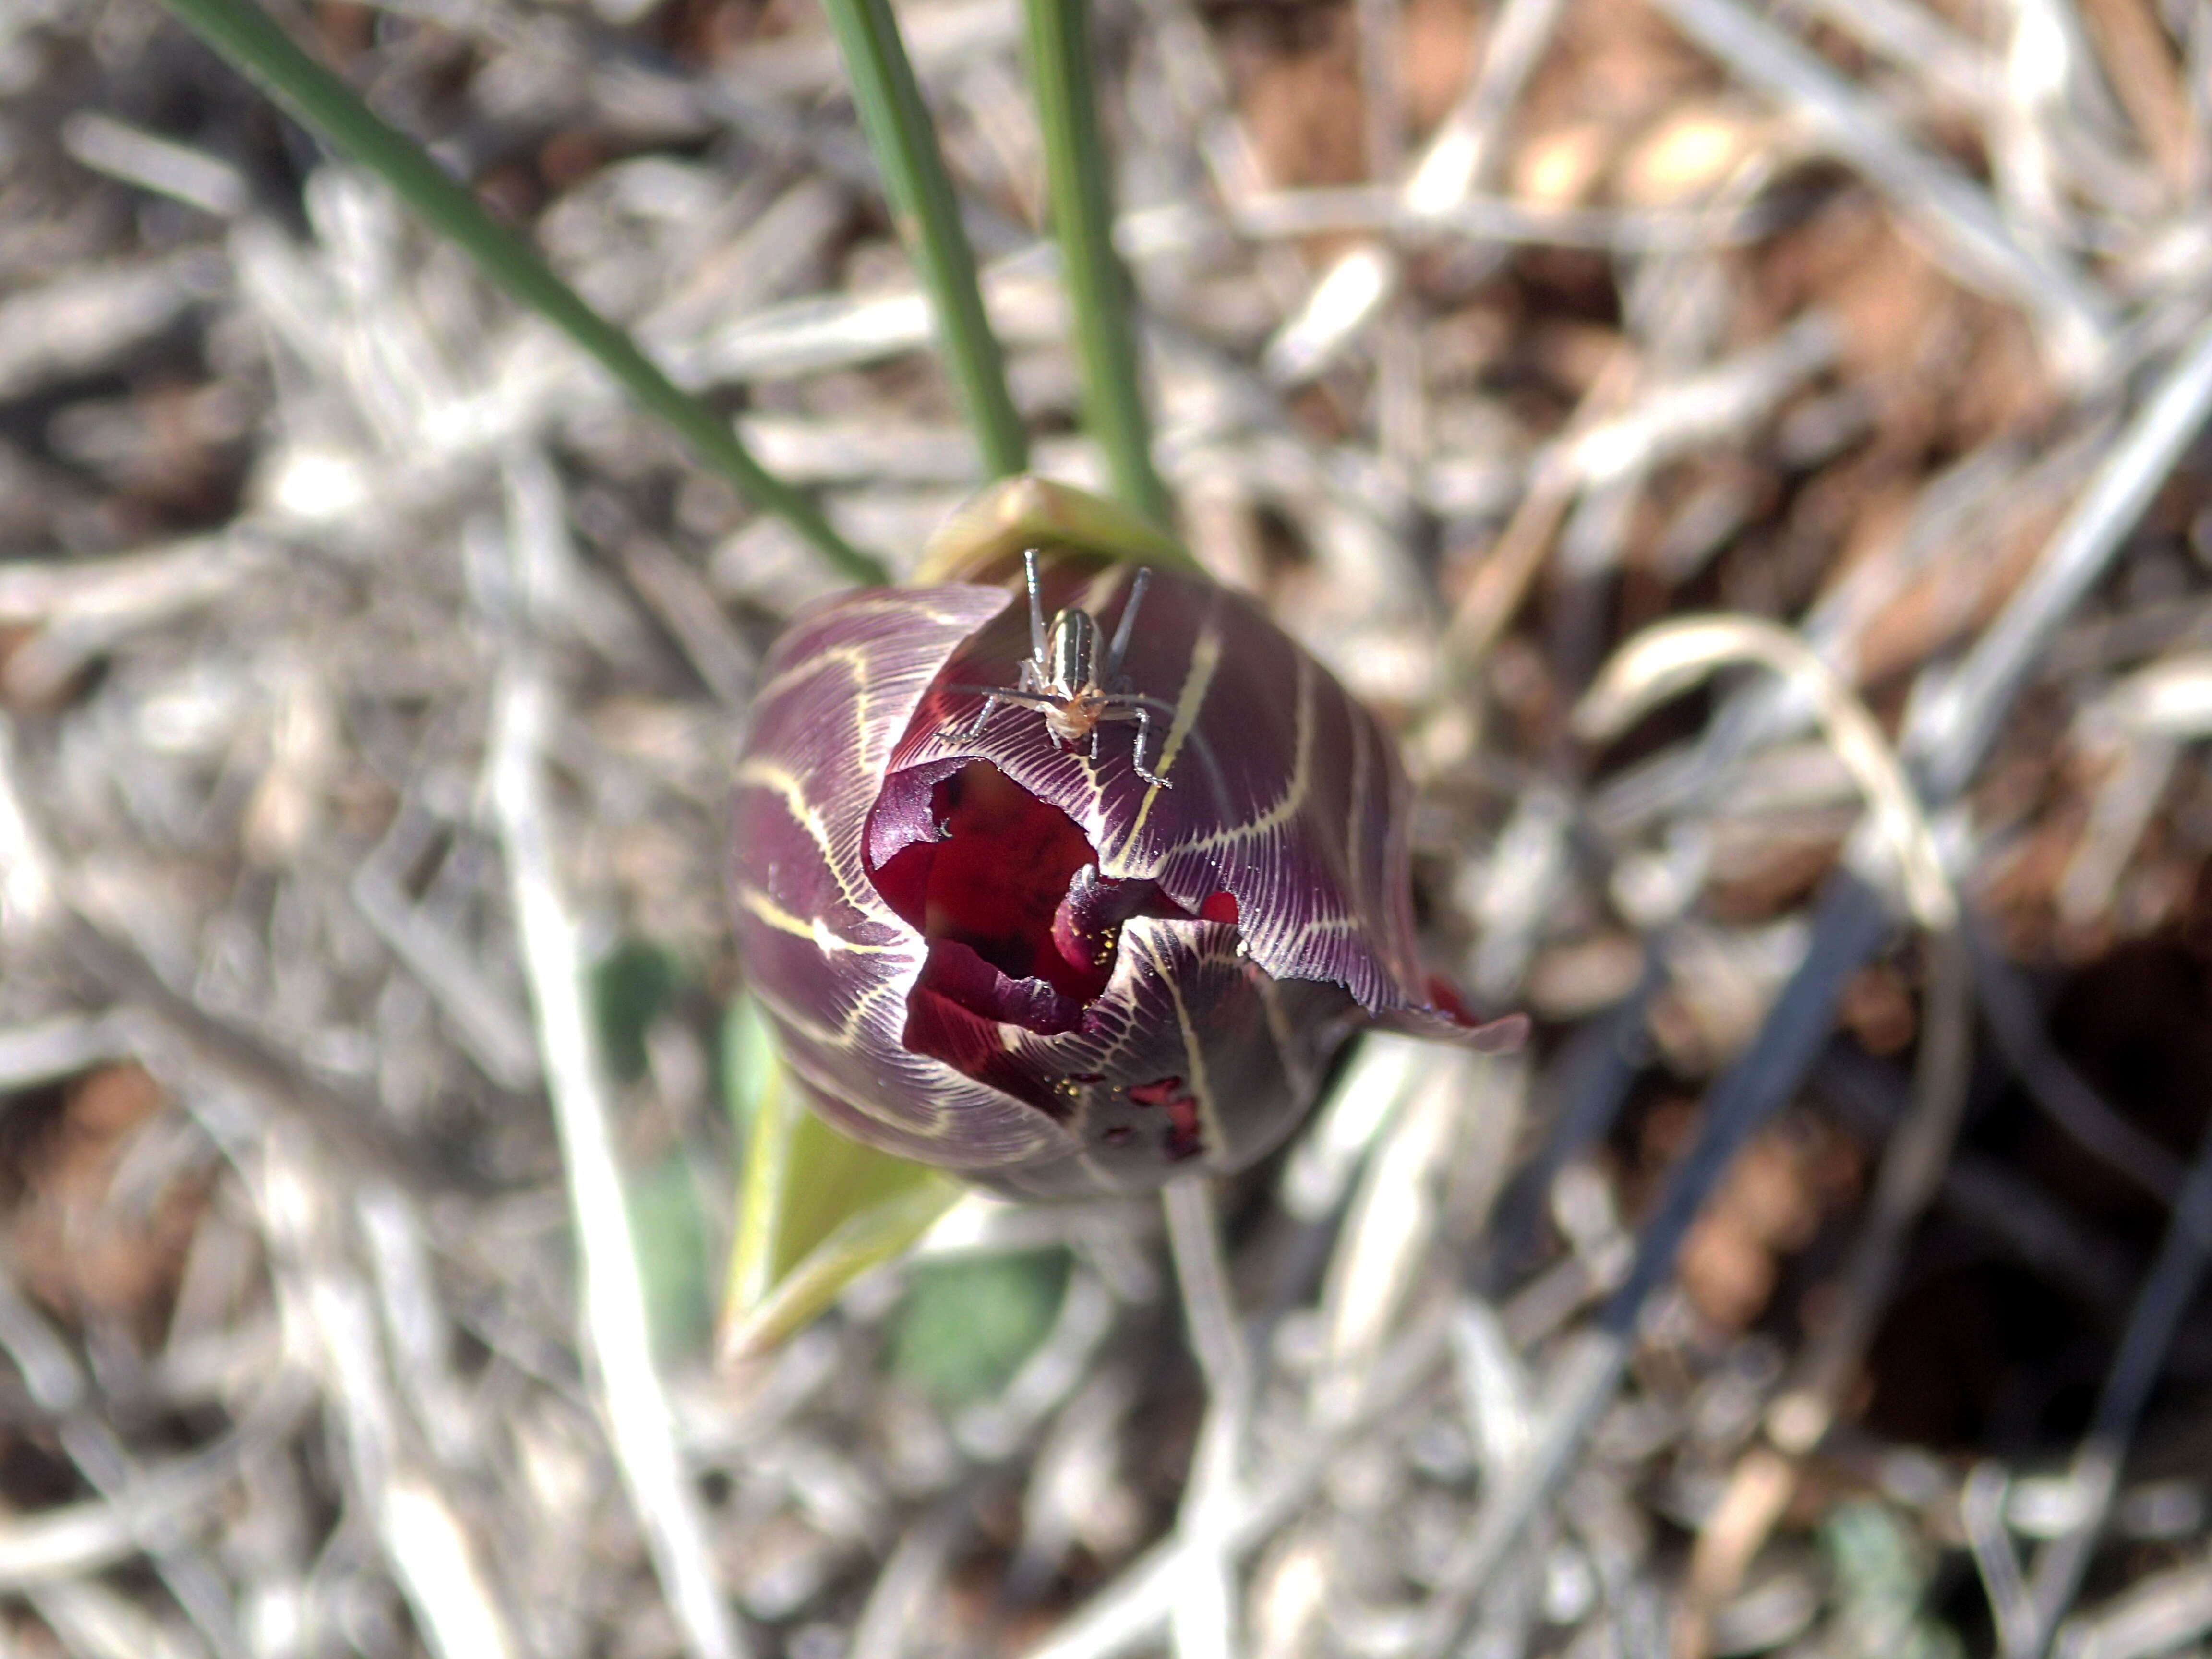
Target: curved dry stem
(1668, 659)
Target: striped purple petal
(994, 953)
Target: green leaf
(669, 1229)
(245, 35)
(1080, 183)
(750, 1066)
(904, 139)
(630, 985)
(966, 1324)
(1883, 1572)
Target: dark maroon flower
(996, 954)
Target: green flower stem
(242, 32)
(1083, 220)
(904, 139)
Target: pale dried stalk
(633, 1403)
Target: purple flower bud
(1004, 951)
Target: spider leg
(1036, 605)
(993, 696)
(1119, 702)
(1134, 705)
(1144, 718)
(990, 708)
(1121, 645)
(1019, 699)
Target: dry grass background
(346, 619)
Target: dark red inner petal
(1022, 928)
(1183, 1138)
(1445, 998)
(1002, 868)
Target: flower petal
(1013, 957)
(1285, 793)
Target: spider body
(1064, 680)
